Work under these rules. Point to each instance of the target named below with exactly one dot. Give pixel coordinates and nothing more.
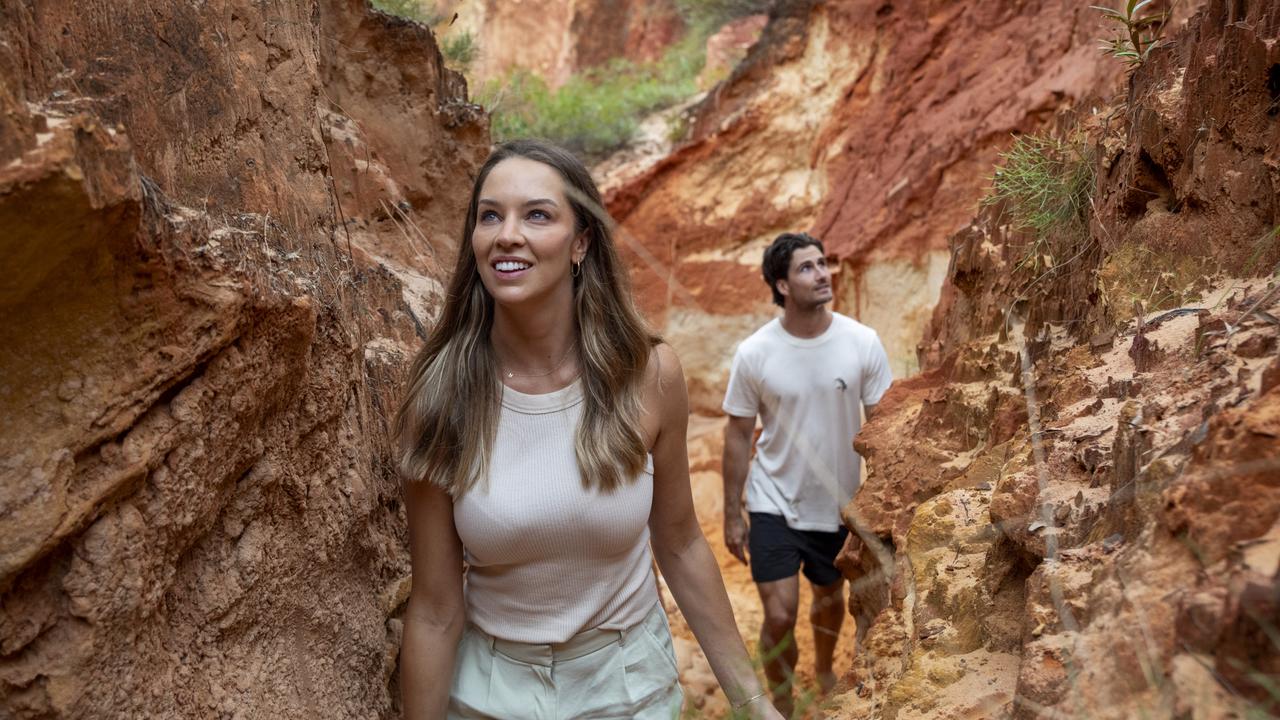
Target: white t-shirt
(807, 393)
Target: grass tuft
(1044, 182)
(1044, 185)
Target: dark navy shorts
(778, 551)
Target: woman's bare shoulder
(664, 366)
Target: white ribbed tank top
(547, 558)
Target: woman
(543, 441)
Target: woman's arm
(435, 615)
(682, 552)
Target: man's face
(808, 283)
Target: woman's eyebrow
(527, 203)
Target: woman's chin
(522, 297)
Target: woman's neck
(534, 349)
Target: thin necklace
(544, 374)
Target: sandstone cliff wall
(874, 125)
(1075, 510)
(221, 225)
(555, 39)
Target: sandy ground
(704, 698)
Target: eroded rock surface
(555, 39)
(210, 214)
(1075, 509)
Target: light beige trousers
(596, 674)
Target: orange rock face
(209, 213)
(556, 38)
(874, 126)
(1078, 501)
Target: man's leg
(781, 599)
(827, 615)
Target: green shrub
(459, 49)
(417, 10)
(597, 110)
(710, 15)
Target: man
(806, 375)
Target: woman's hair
(448, 419)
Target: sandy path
(704, 696)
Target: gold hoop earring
(576, 269)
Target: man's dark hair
(777, 259)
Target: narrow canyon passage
(226, 228)
(706, 442)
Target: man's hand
(735, 536)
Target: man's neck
(806, 322)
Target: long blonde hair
(449, 415)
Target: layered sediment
(223, 225)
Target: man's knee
(827, 606)
(779, 620)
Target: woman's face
(524, 238)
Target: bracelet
(748, 701)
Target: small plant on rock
(408, 9)
(1142, 30)
(1044, 185)
(459, 50)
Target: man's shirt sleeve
(742, 398)
(876, 376)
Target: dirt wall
(222, 228)
(1075, 509)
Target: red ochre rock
(1136, 505)
(222, 229)
(556, 39)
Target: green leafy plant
(595, 111)
(1142, 30)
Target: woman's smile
(510, 268)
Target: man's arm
(868, 410)
(734, 463)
